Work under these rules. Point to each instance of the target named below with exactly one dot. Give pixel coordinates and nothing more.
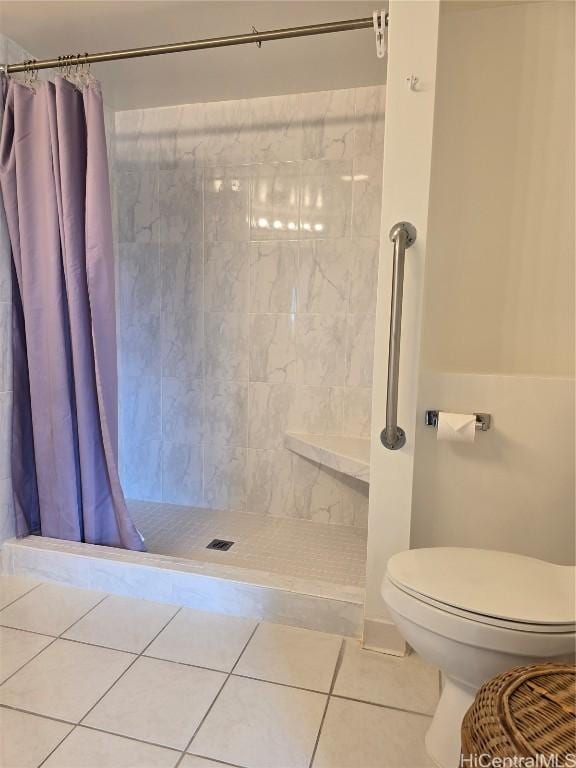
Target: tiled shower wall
(248, 249)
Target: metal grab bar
(403, 235)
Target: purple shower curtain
(55, 189)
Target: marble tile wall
(248, 236)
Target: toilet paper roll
(456, 427)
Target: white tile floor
(290, 547)
(103, 681)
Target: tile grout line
(337, 667)
(136, 657)
(53, 719)
(88, 727)
(352, 207)
(228, 676)
(13, 708)
(74, 726)
(123, 736)
(134, 660)
(45, 648)
(211, 760)
(213, 669)
(28, 631)
(249, 342)
(53, 640)
(19, 596)
(203, 368)
(382, 706)
(60, 636)
(58, 744)
(161, 342)
(107, 733)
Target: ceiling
(341, 60)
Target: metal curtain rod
(194, 45)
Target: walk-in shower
(246, 244)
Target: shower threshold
(281, 570)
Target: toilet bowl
(475, 613)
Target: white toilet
(475, 613)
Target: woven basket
(525, 712)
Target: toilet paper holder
(483, 420)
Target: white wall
(513, 488)
(500, 281)
(405, 195)
(498, 328)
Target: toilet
(474, 613)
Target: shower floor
(282, 546)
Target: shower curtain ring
(28, 72)
(255, 31)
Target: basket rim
(504, 699)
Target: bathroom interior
(330, 278)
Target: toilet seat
(496, 588)
(493, 621)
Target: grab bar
(403, 235)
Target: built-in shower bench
(349, 455)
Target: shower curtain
(55, 190)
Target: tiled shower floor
(295, 548)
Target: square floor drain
(220, 544)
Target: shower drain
(220, 544)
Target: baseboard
(384, 637)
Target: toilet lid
(496, 584)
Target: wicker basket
(525, 712)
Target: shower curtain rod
(193, 45)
